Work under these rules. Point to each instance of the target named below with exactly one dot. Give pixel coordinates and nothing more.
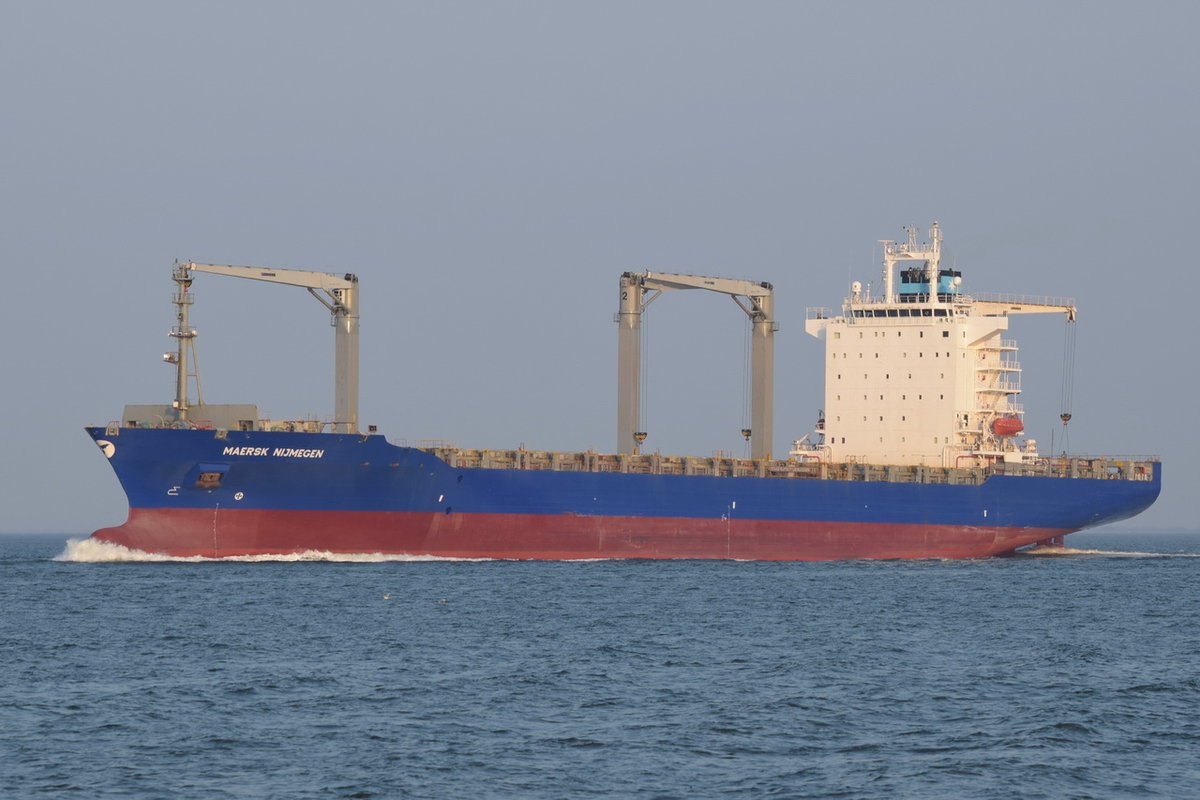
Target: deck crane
(338, 293)
(638, 291)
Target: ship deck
(1133, 468)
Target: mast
(911, 250)
(185, 336)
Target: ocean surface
(1073, 676)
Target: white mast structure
(922, 375)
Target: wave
(95, 551)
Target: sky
(489, 170)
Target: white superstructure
(921, 374)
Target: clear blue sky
(489, 170)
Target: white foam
(1070, 551)
(96, 551)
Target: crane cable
(643, 368)
(746, 355)
(1068, 378)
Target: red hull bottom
(217, 534)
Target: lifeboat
(1007, 426)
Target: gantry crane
(340, 297)
(638, 291)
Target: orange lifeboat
(1007, 426)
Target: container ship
(919, 451)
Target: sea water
(1070, 676)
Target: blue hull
(191, 492)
